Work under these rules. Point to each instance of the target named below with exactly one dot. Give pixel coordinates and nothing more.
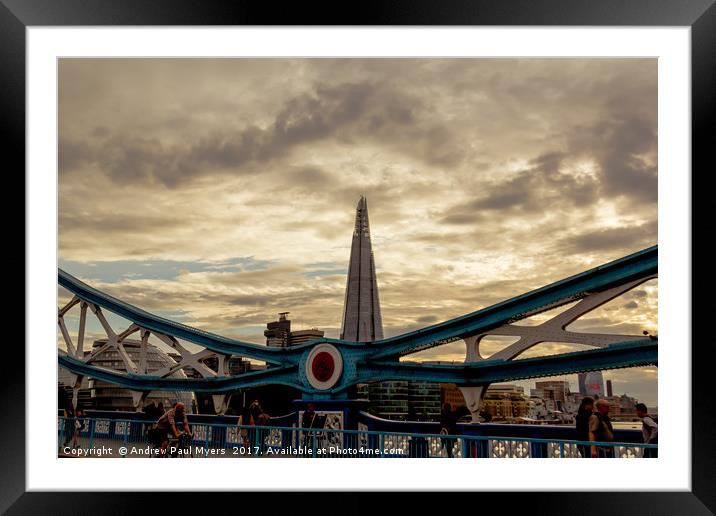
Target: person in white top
(650, 429)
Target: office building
(279, 335)
(553, 392)
(99, 395)
(389, 399)
(451, 393)
(505, 402)
(423, 401)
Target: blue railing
(129, 438)
(514, 431)
(366, 421)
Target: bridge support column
(138, 399)
(473, 395)
(221, 403)
(76, 390)
(473, 399)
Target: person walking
(246, 420)
(586, 408)
(601, 431)
(448, 426)
(69, 426)
(256, 410)
(309, 421)
(262, 419)
(79, 425)
(649, 429)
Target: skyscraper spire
(362, 321)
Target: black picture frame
(700, 15)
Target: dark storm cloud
(310, 177)
(630, 237)
(260, 300)
(345, 112)
(427, 319)
(619, 146)
(300, 120)
(73, 154)
(312, 117)
(153, 296)
(541, 185)
(119, 224)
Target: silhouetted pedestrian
(586, 408)
(69, 425)
(448, 426)
(244, 423)
(309, 421)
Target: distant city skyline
(221, 192)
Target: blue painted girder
(379, 359)
(642, 264)
(630, 354)
(627, 354)
(282, 375)
(160, 324)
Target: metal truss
(358, 362)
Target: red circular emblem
(323, 366)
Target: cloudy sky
(220, 192)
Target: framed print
(394, 251)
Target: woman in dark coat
(586, 409)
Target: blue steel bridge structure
(324, 369)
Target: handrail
(385, 432)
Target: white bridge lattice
(115, 341)
(552, 330)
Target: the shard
(362, 321)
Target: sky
(219, 192)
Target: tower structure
(362, 321)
